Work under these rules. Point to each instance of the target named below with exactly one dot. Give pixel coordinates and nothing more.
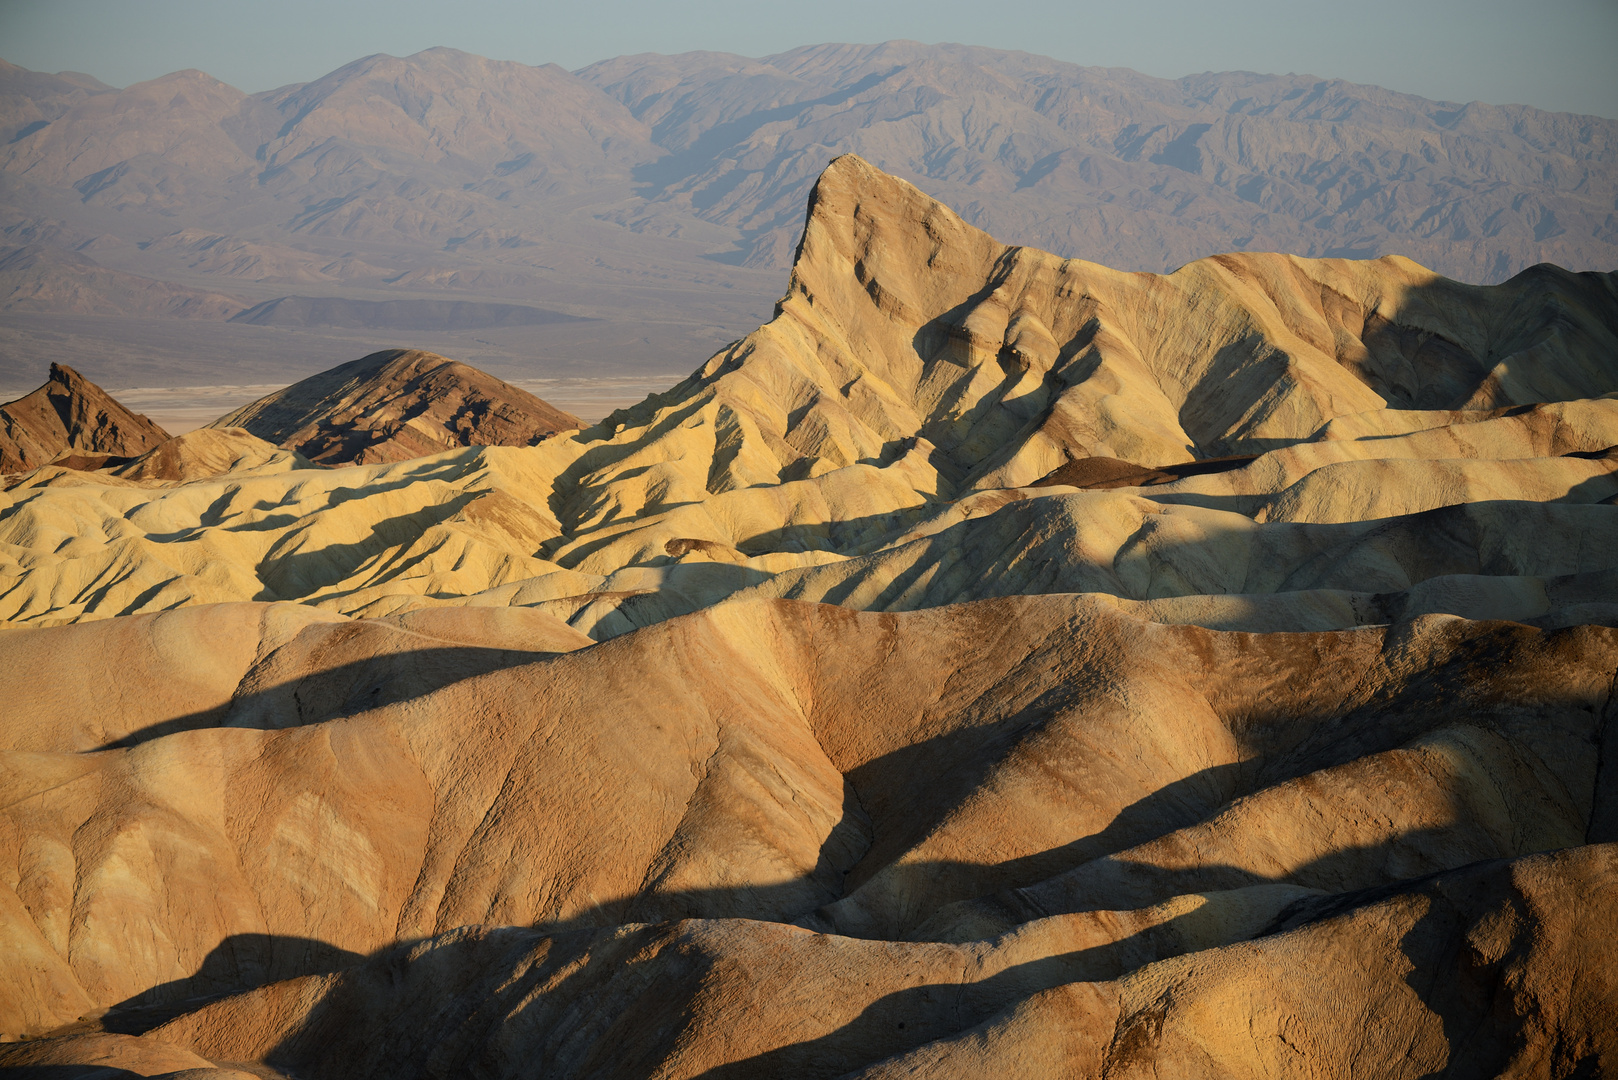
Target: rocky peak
(71, 413)
(398, 404)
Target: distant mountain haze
(664, 195)
(395, 314)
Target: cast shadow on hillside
(486, 979)
(1465, 998)
(245, 961)
(1589, 491)
(238, 962)
(347, 689)
(1448, 540)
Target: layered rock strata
(398, 404)
(70, 416)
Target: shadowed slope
(1508, 977)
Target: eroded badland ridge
(71, 416)
(994, 664)
(663, 195)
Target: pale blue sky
(1555, 54)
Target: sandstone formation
(995, 664)
(398, 404)
(209, 452)
(71, 415)
(876, 443)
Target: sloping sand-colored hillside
(995, 664)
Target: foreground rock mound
(1088, 815)
(70, 414)
(398, 404)
(996, 664)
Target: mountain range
(661, 195)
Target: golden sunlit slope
(994, 664)
(323, 788)
(856, 449)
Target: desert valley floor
(994, 665)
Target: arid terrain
(995, 664)
(631, 217)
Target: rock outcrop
(1081, 809)
(71, 415)
(883, 441)
(395, 405)
(995, 664)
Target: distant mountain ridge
(1128, 170)
(666, 193)
(1109, 164)
(39, 277)
(395, 314)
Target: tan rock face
(70, 413)
(395, 405)
(209, 452)
(1072, 795)
(994, 665)
(883, 424)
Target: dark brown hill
(398, 404)
(70, 413)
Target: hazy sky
(1556, 54)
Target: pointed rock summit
(901, 321)
(71, 413)
(398, 404)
